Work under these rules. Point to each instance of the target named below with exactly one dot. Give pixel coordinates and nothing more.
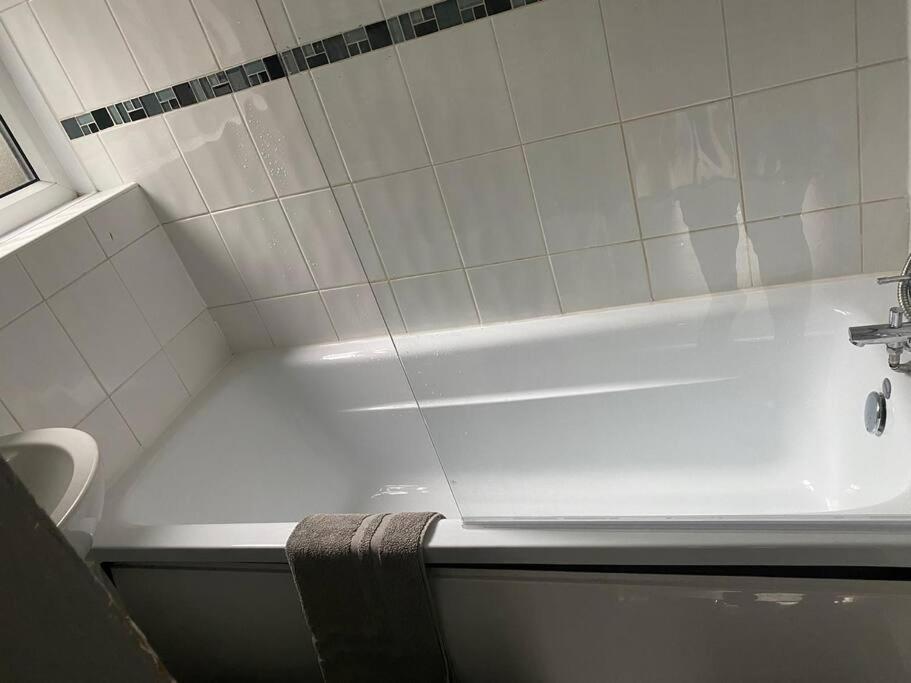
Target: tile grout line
(860, 178)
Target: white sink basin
(59, 467)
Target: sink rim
(82, 450)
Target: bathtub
(718, 436)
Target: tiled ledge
(307, 56)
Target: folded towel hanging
(364, 591)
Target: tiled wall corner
(102, 328)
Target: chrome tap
(895, 335)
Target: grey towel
(363, 586)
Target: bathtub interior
(746, 404)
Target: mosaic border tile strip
(407, 26)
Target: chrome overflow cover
(875, 413)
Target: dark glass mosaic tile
(447, 14)
(151, 104)
(299, 58)
(184, 94)
(407, 28)
(378, 34)
(425, 28)
(238, 79)
(274, 67)
(317, 60)
(102, 118)
(336, 48)
(72, 128)
(497, 6)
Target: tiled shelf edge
(360, 40)
(31, 232)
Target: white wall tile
(235, 29)
(698, 263)
(266, 253)
(882, 31)
(515, 290)
(315, 19)
(277, 23)
(777, 41)
(91, 49)
(61, 256)
(117, 447)
(435, 301)
(7, 424)
(798, 146)
(354, 312)
(815, 245)
(145, 152)
(198, 352)
(41, 60)
(581, 182)
(242, 326)
(158, 281)
(105, 324)
(318, 127)
(296, 320)
(220, 154)
(17, 293)
(409, 222)
(151, 399)
(885, 235)
(490, 202)
(382, 292)
(96, 162)
(321, 232)
(601, 277)
(665, 53)
(49, 385)
(555, 90)
(459, 91)
(685, 169)
(166, 39)
(203, 252)
(372, 115)
(360, 235)
(122, 220)
(884, 130)
(282, 138)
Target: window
(15, 170)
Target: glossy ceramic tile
(315, 19)
(101, 68)
(885, 235)
(220, 154)
(883, 94)
(460, 92)
(815, 245)
(296, 320)
(7, 424)
(354, 312)
(779, 41)
(61, 256)
(122, 220)
(151, 399)
(235, 29)
(382, 292)
(198, 352)
(798, 146)
(145, 152)
(684, 169)
(515, 290)
(665, 53)
(881, 30)
(277, 23)
(490, 202)
(242, 326)
(266, 253)
(408, 220)
(318, 127)
(96, 162)
(206, 258)
(320, 230)
(372, 115)
(43, 64)
(544, 76)
(581, 183)
(601, 277)
(698, 263)
(282, 138)
(49, 385)
(17, 293)
(165, 38)
(117, 447)
(158, 281)
(103, 321)
(435, 301)
(359, 233)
